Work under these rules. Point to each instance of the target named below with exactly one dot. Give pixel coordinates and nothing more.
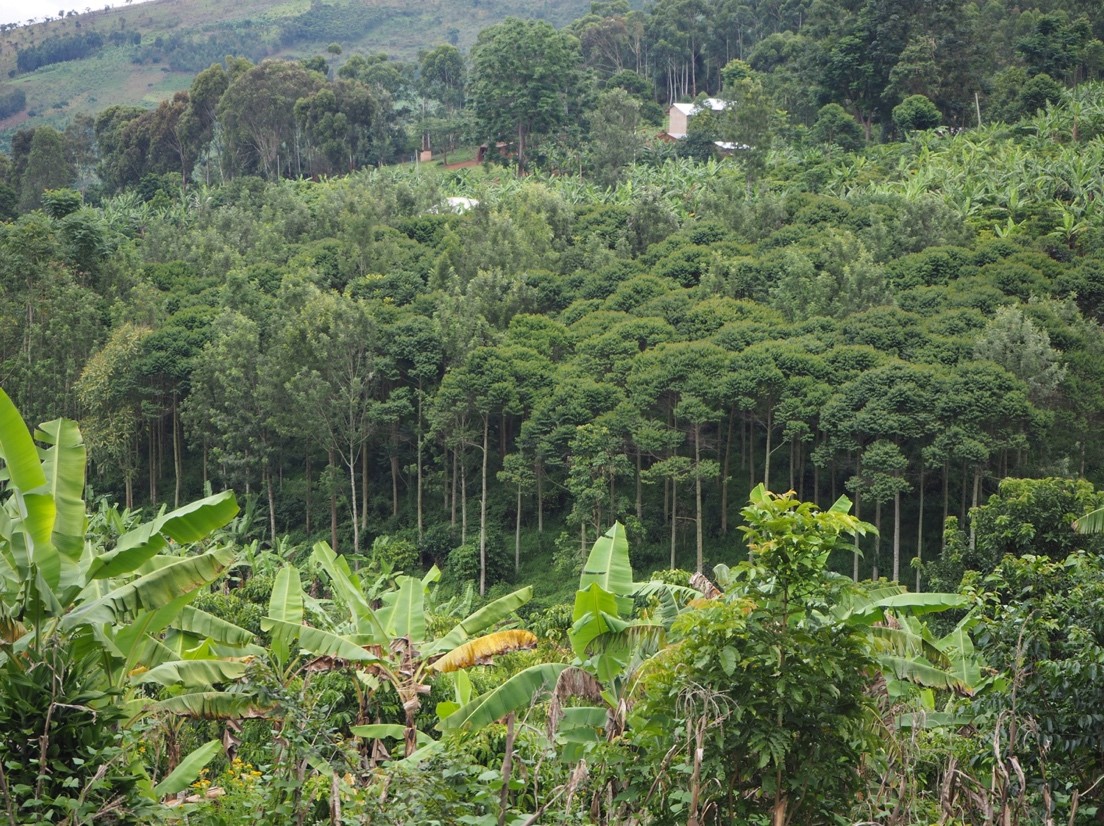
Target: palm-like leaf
(152, 591)
(515, 693)
(189, 523)
(185, 774)
(608, 564)
(489, 615)
(484, 649)
(1091, 522)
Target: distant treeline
(11, 101)
(58, 50)
(195, 52)
(322, 23)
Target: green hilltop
(148, 52)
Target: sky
(19, 11)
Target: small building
(678, 116)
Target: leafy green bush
(395, 553)
(79, 767)
(463, 562)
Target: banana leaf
(186, 773)
(515, 693)
(153, 590)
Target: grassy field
(56, 92)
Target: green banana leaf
(490, 614)
(286, 601)
(17, 449)
(153, 590)
(186, 773)
(379, 731)
(194, 621)
(195, 673)
(213, 705)
(189, 523)
(64, 466)
(596, 612)
(933, 719)
(404, 613)
(1091, 522)
(349, 591)
(608, 564)
(865, 613)
(515, 693)
(919, 671)
(319, 643)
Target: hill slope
(147, 52)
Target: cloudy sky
(19, 11)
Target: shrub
(395, 553)
(463, 562)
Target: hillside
(148, 52)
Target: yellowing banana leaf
(487, 616)
(484, 649)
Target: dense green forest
(467, 408)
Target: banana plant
(126, 608)
(611, 641)
(386, 643)
(128, 601)
(909, 655)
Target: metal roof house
(678, 116)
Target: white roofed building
(678, 116)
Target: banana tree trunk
(674, 518)
(920, 530)
(178, 465)
(507, 770)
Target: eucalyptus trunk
(698, 498)
(483, 510)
